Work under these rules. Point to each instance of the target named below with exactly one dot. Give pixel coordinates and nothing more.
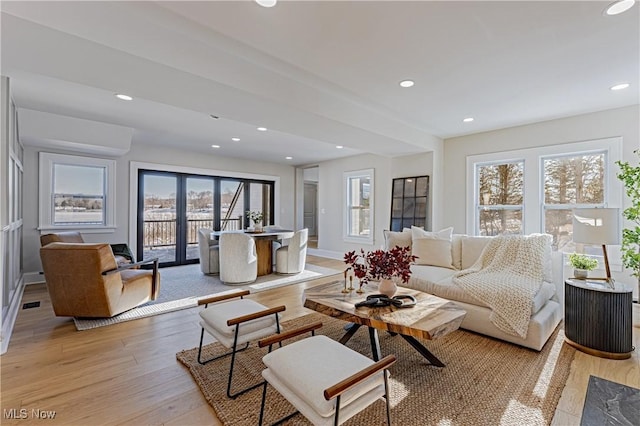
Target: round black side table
(597, 318)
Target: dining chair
(291, 258)
(238, 258)
(209, 252)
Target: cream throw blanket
(506, 277)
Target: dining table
(264, 245)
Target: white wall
(331, 201)
(147, 154)
(418, 165)
(11, 215)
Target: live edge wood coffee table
(430, 318)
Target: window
(499, 198)
(76, 192)
(534, 190)
(570, 181)
(358, 223)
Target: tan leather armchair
(84, 280)
(120, 251)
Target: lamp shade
(596, 226)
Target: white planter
(387, 287)
(580, 274)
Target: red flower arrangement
(381, 264)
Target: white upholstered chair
(276, 244)
(327, 382)
(209, 252)
(234, 323)
(238, 258)
(291, 258)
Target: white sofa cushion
(540, 328)
(472, 246)
(438, 281)
(456, 250)
(432, 248)
(393, 238)
(472, 249)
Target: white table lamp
(597, 226)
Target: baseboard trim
(326, 253)
(33, 278)
(12, 315)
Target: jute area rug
(485, 381)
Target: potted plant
(256, 217)
(582, 264)
(630, 177)
(388, 266)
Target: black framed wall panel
(409, 202)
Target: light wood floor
(128, 373)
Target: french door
(173, 206)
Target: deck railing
(162, 233)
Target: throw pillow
(392, 239)
(432, 248)
(472, 249)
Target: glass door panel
(260, 200)
(232, 211)
(173, 206)
(159, 217)
(200, 212)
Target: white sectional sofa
(436, 278)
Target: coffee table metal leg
(423, 351)
(375, 343)
(350, 332)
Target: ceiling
(318, 74)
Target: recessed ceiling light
(267, 3)
(407, 83)
(215, 146)
(619, 86)
(262, 129)
(288, 158)
(235, 139)
(123, 97)
(468, 120)
(339, 146)
(618, 7)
